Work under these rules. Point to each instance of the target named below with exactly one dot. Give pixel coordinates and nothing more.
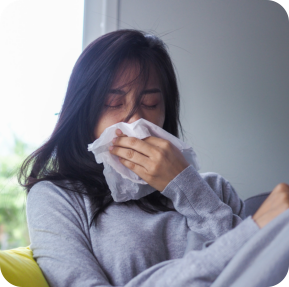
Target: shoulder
(42, 187)
(42, 191)
(46, 195)
(54, 212)
(47, 189)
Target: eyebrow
(151, 91)
(116, 91)
(145, 92)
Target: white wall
(232, 61)
(100, 17)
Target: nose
(136, 116)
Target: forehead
(132, 73)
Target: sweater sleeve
(59, 238)
(61, 245)
(209, 203)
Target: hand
(155, 160)
(276, 203)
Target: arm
(58, 228)
(163, 167)
(59, 238)
(211, 207)
(209, 202)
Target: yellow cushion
(20, 269)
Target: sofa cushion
(19, 268)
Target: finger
(135, 144)
(131, 155)
(139, 170)
(159, 142)
(118, 132)
(114, 139)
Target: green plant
(13, 224)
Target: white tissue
(123, 183)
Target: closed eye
(149, 107)
(145, 106)
(113, 107)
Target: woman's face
(121, 99)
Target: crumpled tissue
(123, 183)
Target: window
(39, 43)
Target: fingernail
(118, 131)
(113, 140)
(110, 148)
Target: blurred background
(39, 44)
(232, 64)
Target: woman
(176, 236)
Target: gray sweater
(129, 247)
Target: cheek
(157, 117)
(162, 120)
(161, 117)
(104, 122)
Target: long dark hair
(64, 157)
